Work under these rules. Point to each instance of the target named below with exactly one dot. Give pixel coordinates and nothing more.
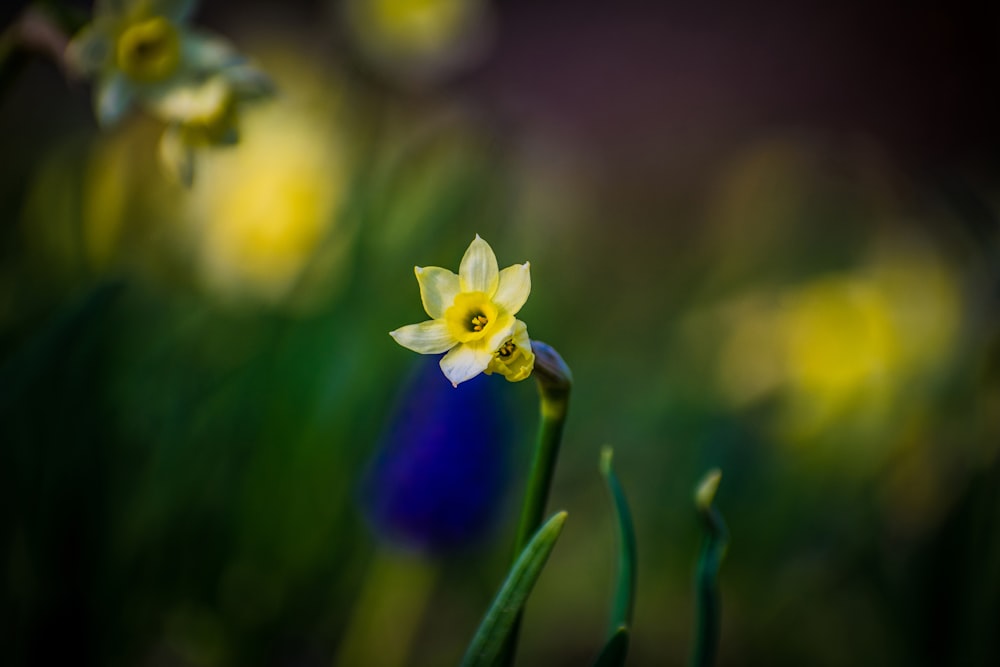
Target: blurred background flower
(437, 481)
(418, 42)
(266, 218)
(844, 350)
(143, 53)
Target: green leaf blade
(624, 598)
(488, 642)
(615, 650)
(713, 551)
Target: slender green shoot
(713, 550)
(491, 638)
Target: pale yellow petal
(520, 335)
(430, 337)
(465, 362)
(501, 330)
(479, 271)
(513, 288)
(438, 288)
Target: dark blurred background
(764, 236)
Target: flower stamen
(507, 349)
(479, 322)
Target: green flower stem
(621, 611)
(554, 383)
(713, 550)
(542, 468)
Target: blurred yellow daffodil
(142, 53)
(473, 317)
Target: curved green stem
(621, 611)
(554, 382)
(713, 550)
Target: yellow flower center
(471, 316)
(149, 51)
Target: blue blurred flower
(439, 475)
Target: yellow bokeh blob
(263, 209)
(838, 335)
(417, 40)
(843, 350)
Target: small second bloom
(473, 317)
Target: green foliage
(616, 648)
(713, 550)
(490, 639)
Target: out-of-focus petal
(195, 103)
(176, 157)
(89, 50)
(248, 83)
(112, 98)
(207, 53)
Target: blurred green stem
(391, 604)
(554, 383)
(713, 550)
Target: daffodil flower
(514, 358)
(472, 316)
(143, 53)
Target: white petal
(465, 362)
(504, 329)
(190, 102)
(479, 271)
(430, 337)
(112, 98)
(514, 287)
(520, 335)
(438, 288)
(207, 53)
(248, 83)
